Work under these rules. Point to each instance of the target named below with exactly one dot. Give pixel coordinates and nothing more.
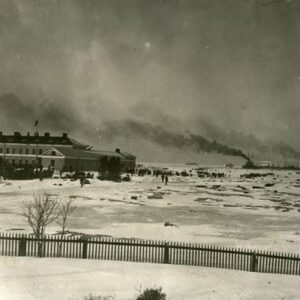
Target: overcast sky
(182, 64)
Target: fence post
(84, 249)
(41, 247)
(22, 247)
(166, 254)
(253, 262)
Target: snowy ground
(67, 279)
(262, 213)
(231, 211)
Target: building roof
(128, 155)
(81, 153)
(47, 139)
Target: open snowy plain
(257, 213)
(261, 212)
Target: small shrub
(152, 294)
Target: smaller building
(128, 161)
(70, 159)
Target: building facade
(57, 152)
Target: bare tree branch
(65, 210)
(40, 212)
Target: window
(20, 162)
(27, 151)
(1, 150)
(52, 162)
(33, 151)
(40, 151)
(13, 151)
(20, 151)
(7, 150)
(53, 153)
(13, 161)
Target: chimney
(16, 133)
(47, 134)
(0, 133)
(118, 150)
(28, 133)
(64, 135)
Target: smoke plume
(166, 138)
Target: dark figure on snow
(41, 176)
(162, 177)
(166, 179)
(81, 181)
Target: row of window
(20, 161)
(20, 151)
(28, 161)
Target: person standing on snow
(166, 179)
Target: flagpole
(36, 125)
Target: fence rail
(150, 251)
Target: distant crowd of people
(165, 174)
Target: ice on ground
(261, 212)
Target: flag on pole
(36, 123)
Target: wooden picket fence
(149, 251)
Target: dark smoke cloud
(167, 138)
(212, 139)
(19, 116)
(260, 148)
(137, 134)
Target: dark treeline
(110, 168)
